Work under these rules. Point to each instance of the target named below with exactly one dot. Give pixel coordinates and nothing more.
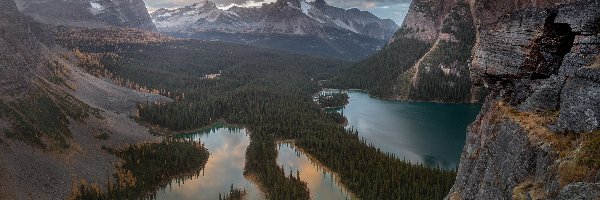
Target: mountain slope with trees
(426, 60)
(55, 118)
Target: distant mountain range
(294, 25)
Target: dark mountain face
(20, 49)
(293, 25)
(89, 13)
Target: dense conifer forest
(381, 72)
(271, 94)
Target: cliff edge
(538, 134)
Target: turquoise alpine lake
(432, 134)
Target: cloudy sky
(386, 9)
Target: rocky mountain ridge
(89, 13)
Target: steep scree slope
(52, 114)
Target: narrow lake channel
(322, 183)
(225, 167)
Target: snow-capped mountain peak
(295, 17)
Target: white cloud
(250, 3)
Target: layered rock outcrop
(537, 136)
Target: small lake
(429, 133)
(225, 166)
(321, 182)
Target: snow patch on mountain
(247, 4)
(310, 11)
(292, 5)
(96, 8)
(305, 7)
(342, 24)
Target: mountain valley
(100, 99)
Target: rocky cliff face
(423, 20)
(89, 13)
(538, 135)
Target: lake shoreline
(399, 99)
(428, 133)
(224, 168)
(320, 164)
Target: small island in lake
(333, 100)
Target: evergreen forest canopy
(268, 92)
(380, 73)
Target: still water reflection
(321, 182)
(428, 133)
(227, 146)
